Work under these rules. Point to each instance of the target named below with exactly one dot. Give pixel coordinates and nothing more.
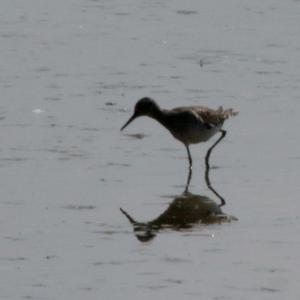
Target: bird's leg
(207, 167)
(189, 156)
(223, 133)
(190, 169)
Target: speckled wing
(210, 117)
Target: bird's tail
(227, 112)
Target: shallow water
(70, 74)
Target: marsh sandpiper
(190, 124)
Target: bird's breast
(186, 127)
(196, 134)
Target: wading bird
(190, 125)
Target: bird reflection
(184, 211)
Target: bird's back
(195, 124)
(208, 115)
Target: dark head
(144, 107)
(143, 231)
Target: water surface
(70, 74)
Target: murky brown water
(70, 74)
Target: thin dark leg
(223, 133)
(189, 156)
(207, 168)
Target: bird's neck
(161, 116)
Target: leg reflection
(188, 181)
(207, 168)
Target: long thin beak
(129, 121)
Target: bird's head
(144, 107)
